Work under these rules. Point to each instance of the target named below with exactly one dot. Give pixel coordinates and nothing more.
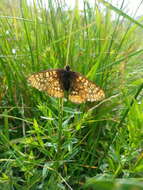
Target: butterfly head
(67, 68)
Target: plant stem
(60, 126)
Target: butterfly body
(56, 81)
(66, 77)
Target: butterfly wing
(83, 90)
(48, 81)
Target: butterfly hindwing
(83, 90)
(48, 81)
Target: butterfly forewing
(83, 90)
(48, 81)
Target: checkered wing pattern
(83, 90)
(48, 81)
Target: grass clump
(48, 143)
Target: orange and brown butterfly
(58, 81)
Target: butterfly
(55, 82)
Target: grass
(48, 143)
